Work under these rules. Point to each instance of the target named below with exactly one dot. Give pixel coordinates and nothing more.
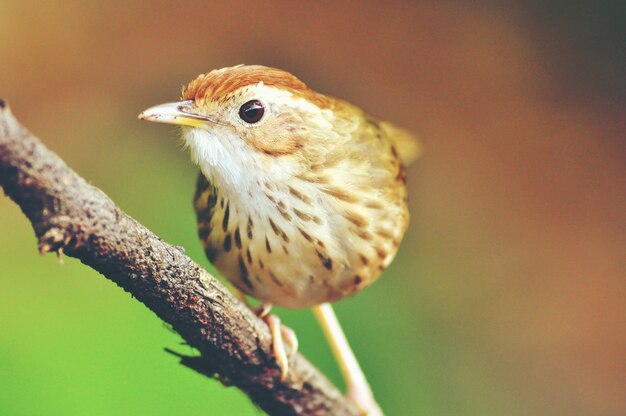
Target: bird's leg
(358, 390)
(281, 335)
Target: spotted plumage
(313, 233)
(303, 206)
(301, 198)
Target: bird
(301, 198)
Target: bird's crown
(219, 84)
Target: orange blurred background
(508, 294)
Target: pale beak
(181, 113)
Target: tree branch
(73, 217)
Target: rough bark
(70, 216)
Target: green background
(507, 296)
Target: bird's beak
(181, 113)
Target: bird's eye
(252, 111)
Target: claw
(281, 336)
(289, 337)
(263, 310)
(278, 347)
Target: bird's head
(245, 121)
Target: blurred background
(508, 294)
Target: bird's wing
(404, 141)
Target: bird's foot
(281, 336)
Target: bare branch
(71, 216)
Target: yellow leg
(281, 335)
(358, 390)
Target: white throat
(230, 165)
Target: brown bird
(301, 198)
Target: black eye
(252, 111)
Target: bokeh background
(508, 294)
